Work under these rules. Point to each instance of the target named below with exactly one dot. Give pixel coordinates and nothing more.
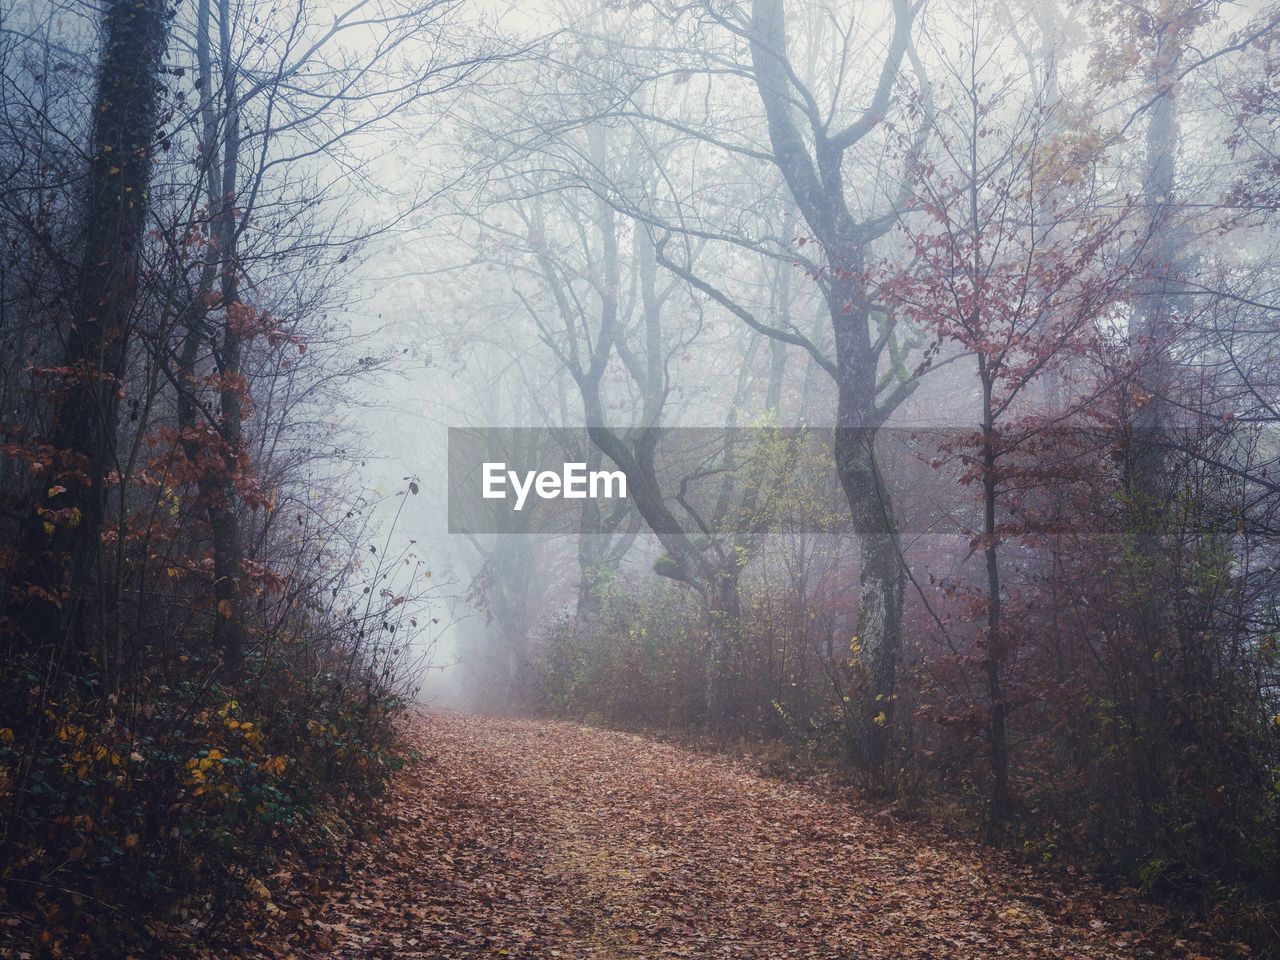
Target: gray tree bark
(815, 180)
(59, 563)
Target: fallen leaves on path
(528, 838)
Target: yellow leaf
(224, 609)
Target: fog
(600, 132)
(934, 343)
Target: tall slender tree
(59, 539)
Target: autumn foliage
(201, 661)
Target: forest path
(530, 838)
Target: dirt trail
(522, 838)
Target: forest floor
(540, 839)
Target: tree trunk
(1147, 484)
(59, 543)
(228, 630)
(816, 185)
(998, 744)
(882, 578)
(1150, 325)
(881, 568)
(724, 612)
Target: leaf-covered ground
(524, 838)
